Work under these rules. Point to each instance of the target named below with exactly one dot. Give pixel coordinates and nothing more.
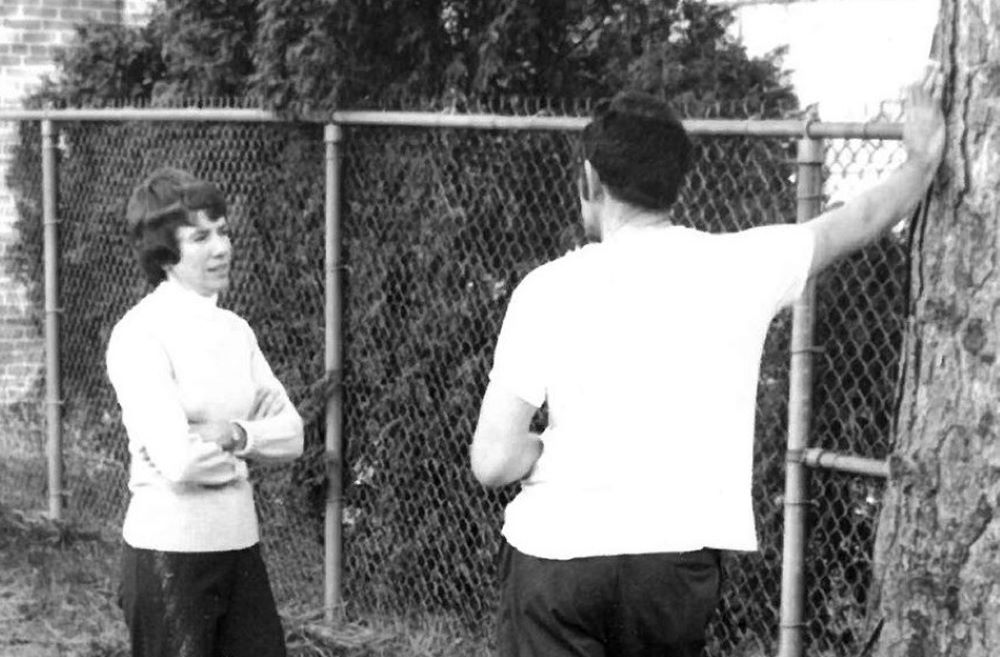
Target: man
(646, 347)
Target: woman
(198, 400)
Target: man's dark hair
(166, 199)
(639, 149)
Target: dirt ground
(58, 599)
(56, 591)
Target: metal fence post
(332, 545)
(53, 400)
(809, 203)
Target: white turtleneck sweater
(177, 358)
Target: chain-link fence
(861, 305)
(23, 465)
(277, 287)
(438, 225)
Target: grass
(56, 590)
(387, 637)
(58, 583)
(57, 598)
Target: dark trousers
(200, 604)
(618, 606)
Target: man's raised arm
(864, 218)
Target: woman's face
(205, 255)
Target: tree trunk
(937, 554)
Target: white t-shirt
(647, 349)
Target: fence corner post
(809, 203)
(53, 395)
(333, 363)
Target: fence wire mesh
(22, 431)
(861, 306)
(275, 193)
(438, 227)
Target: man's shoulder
(771, 234)
(580, 258)
(776, 242)
(561, 270)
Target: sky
(845, 55)
(848, 57)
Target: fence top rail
(705, 127)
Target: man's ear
(591, 189)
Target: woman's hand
(227, 435)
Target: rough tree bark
(937, 555)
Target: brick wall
(30, 33)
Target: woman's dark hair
(639, 148)
(166, 199)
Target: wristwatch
(237, 438)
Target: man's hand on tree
(924, 129)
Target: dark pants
(618, 606)
(200, 604)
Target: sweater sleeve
(157, 427)
(276, 438)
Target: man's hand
(504, 449)
(924, 129)
(226, 435)
(267, 403)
